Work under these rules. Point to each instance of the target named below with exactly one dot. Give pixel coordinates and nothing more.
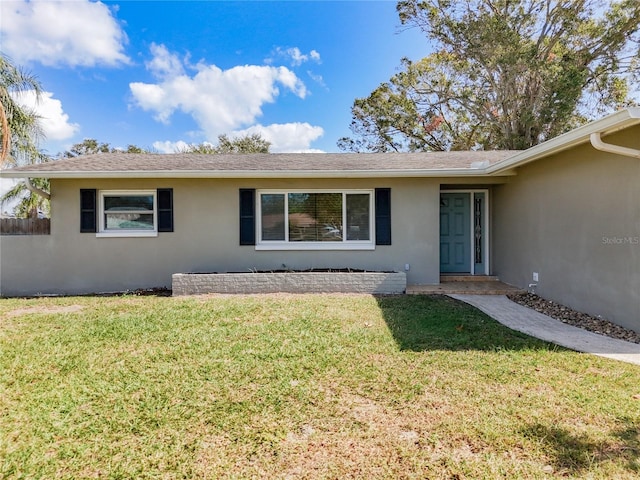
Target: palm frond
(20, 127)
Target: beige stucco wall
(575, 219)
(206, 239)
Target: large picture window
(128, 213)
(315, 219)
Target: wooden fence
(25, 226)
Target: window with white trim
(315, 219)
(128, 213)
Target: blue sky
(158, 73)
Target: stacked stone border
(289, 282)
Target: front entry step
(465, 285)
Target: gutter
(598, 144)
(32, 188)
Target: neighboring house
(565, 210)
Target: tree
(90, 146)
(504, 74)
(253, 143)
(19, 127)
(135, 149)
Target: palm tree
(19, 127)
(29, 204)
(19, 132)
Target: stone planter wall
(289, 282)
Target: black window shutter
(247, 216)
(383, 216)
(88, 210)
(165, 209)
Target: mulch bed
(577, 319)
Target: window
(315, 220)
(128, 213)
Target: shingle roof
(259, 165)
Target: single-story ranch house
(563, 215)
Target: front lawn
(301, 386)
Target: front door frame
(485, 227)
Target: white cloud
(164, 63)
(285, 137)
(55, 123)
(218, 100)
(295, 55)
(170, 147)
(61, 32)
(316, 78)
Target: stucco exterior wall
(574, 218)
(205, 239)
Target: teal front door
(455, 233)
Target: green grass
(313, 386)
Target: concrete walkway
(541, 326)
